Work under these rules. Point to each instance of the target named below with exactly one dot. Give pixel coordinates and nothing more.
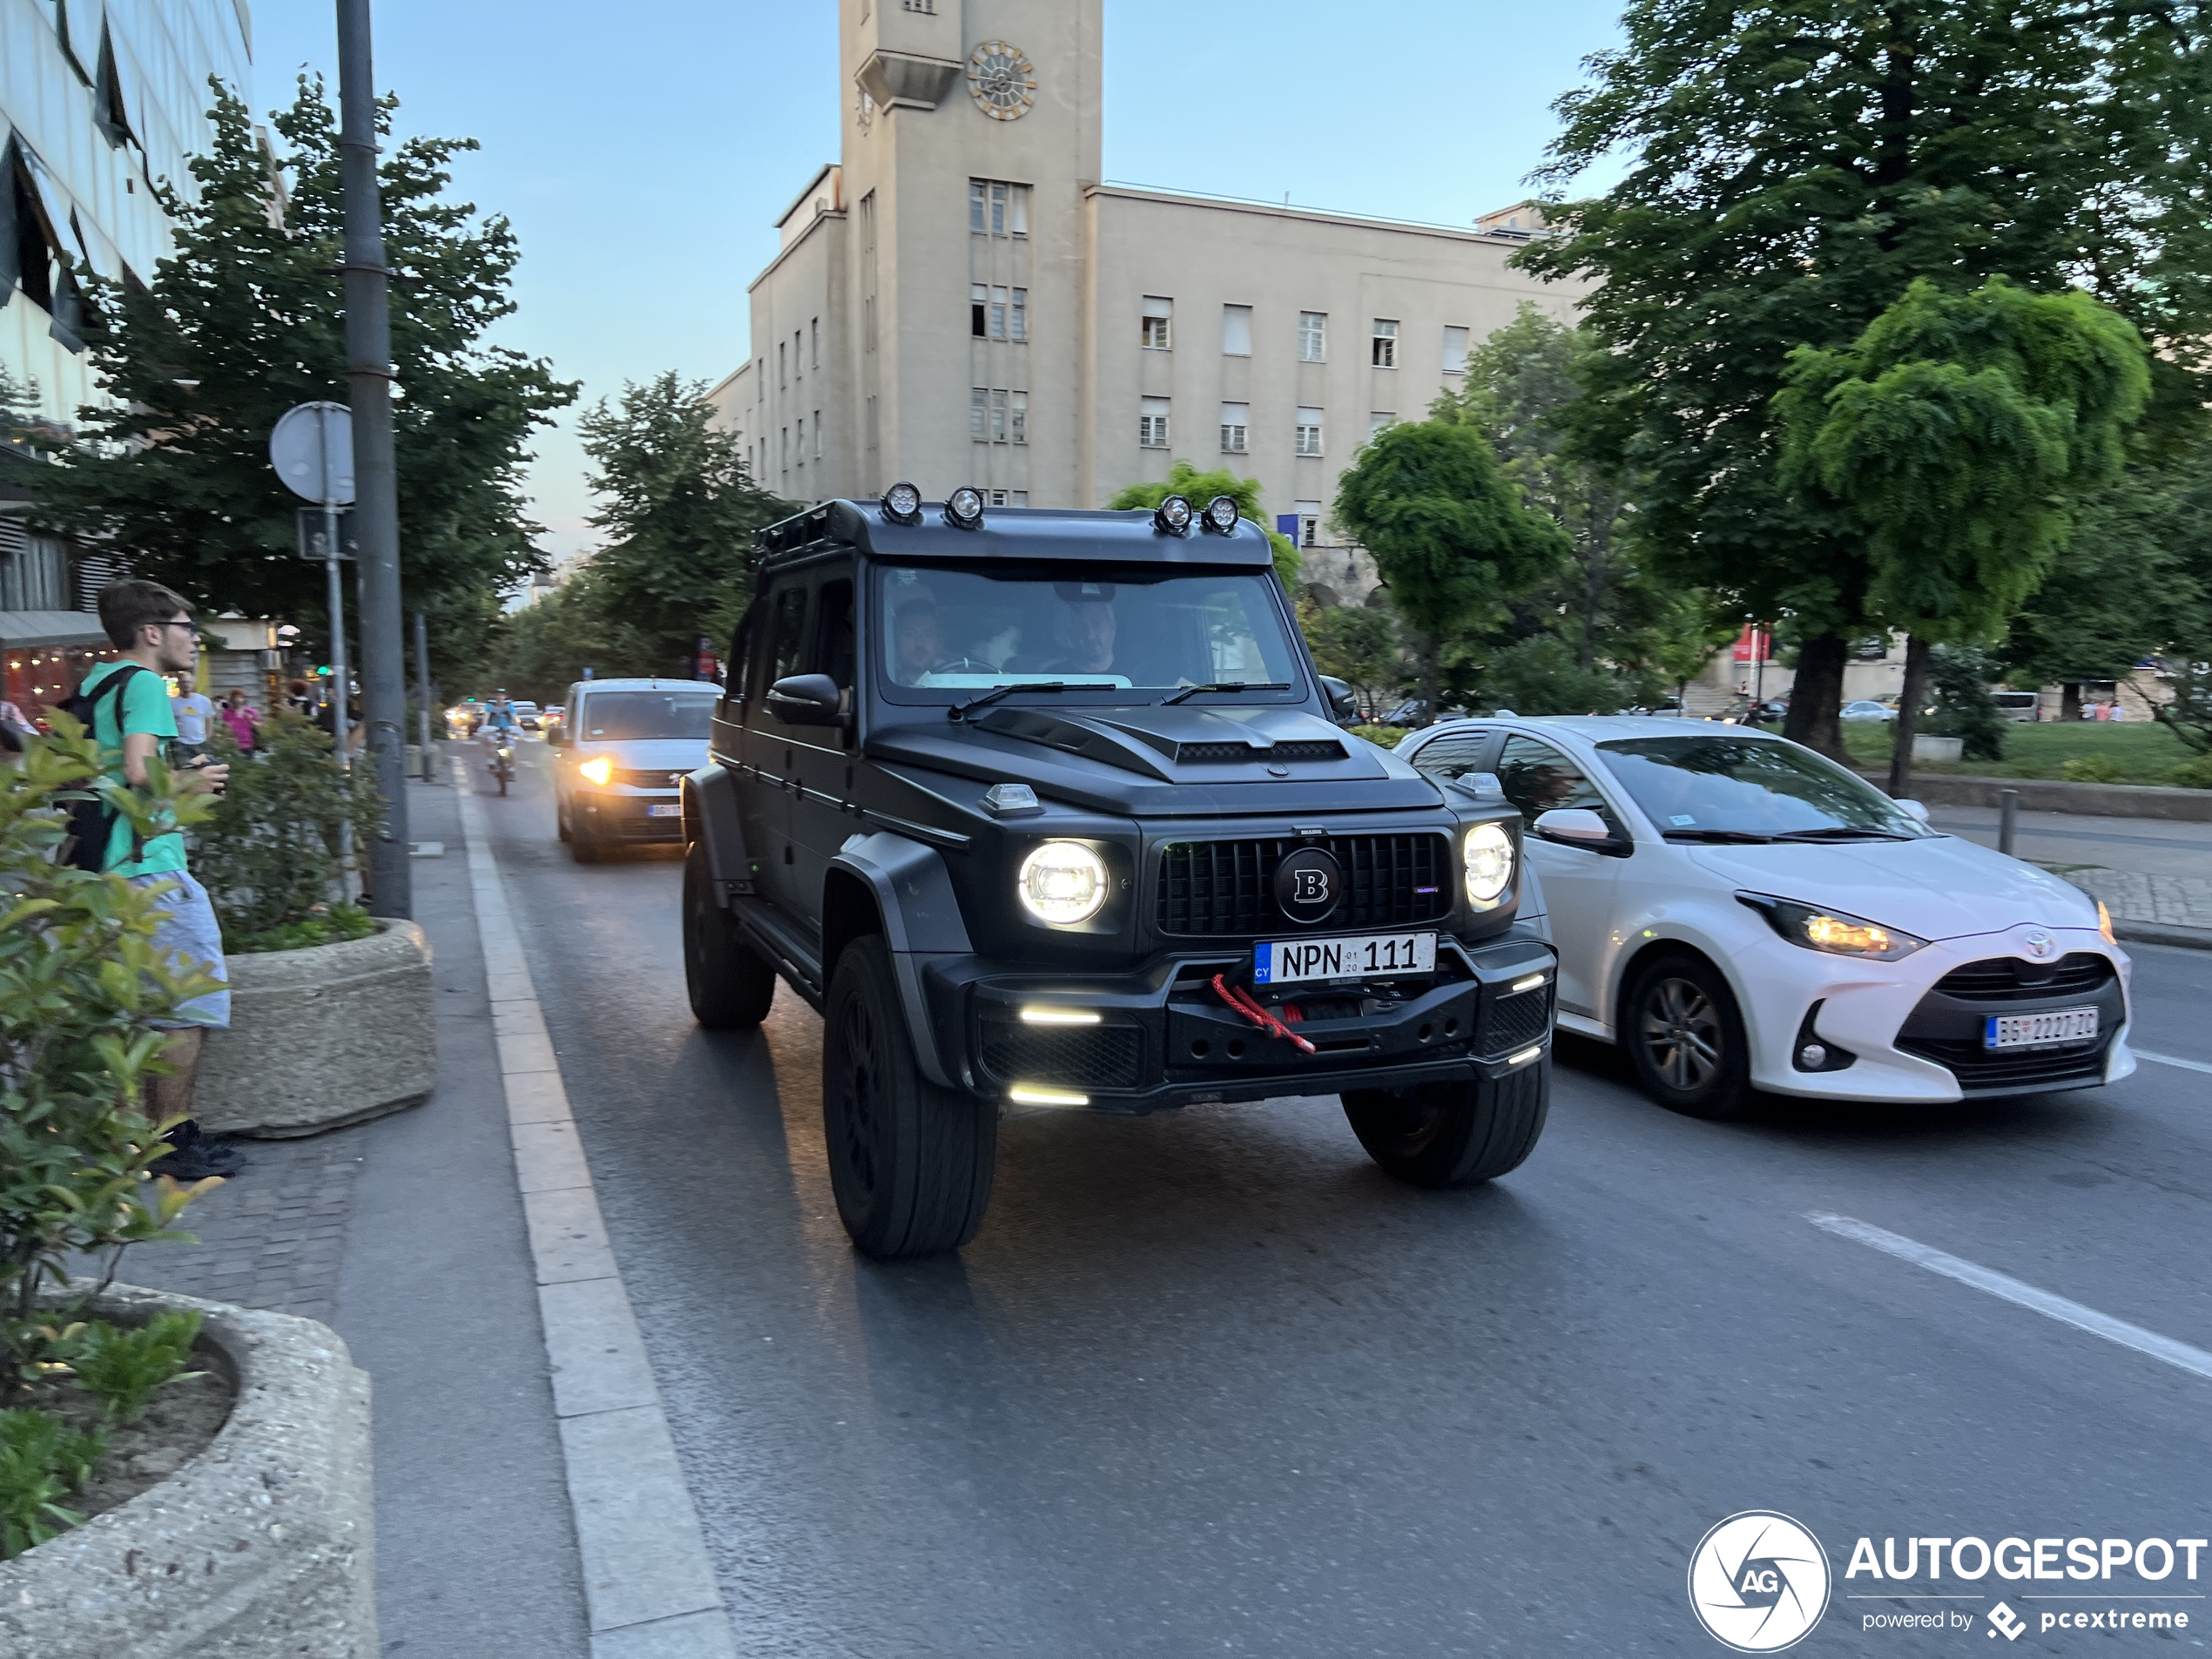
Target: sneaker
(199, 1161)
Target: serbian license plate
(1362, 957)
(2039, 1030)
(665, 809)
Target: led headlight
(1172, 516)
(598, 771)
(1486, 852)
(1832, 930)
(1062, 882)
(1220, 516)
(902, 503)
(964, 508)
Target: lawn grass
(2148, 751)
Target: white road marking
(2180, 1354)
(2169, 1060)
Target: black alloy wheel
(910, 1162)
(730, 986)
(1453, 1135)
(1685, 1037)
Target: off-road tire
(1453, 1135)
(910, 1162)
(1685, 1037)
(730, 986)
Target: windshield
(611, 717)
(1130, 634)
(1697, 788)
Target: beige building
(961, 299)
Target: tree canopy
(1199, 488)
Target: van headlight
(598, 771)
(1835, 932)
(1062, 882)
(1486, 853)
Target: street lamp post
(376, 512)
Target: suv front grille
(1096, 1057)
(1209, 889)
(655, 778)
(2007, 979)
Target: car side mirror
(807, 699)
(1916, 809)
(1577, 826)
(1342, 701)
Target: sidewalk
(2147, 871)
(407, 1236)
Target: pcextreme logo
(1758, 1581)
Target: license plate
(1282, 962)
(665, 809)
(2039, 1030)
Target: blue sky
(643, 149)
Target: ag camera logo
(1758, 1581)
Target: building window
(1017, 315)
(1309, 431)
(1385, 343)
(816, 330)
(1007, 497)
(1159, 318)
(783, 448)
(997, 208)
(1017, 423)
(998, 314)
(1309, 522)
(802, 440)
(996, 416)
(1235, 417)
(1153, 422)
(818, 435)
(797, 355)
(927, 8)
(1455, 351)
(1312, 336)
(1235, 331)
(979, 415)
(781, 381)
(979, 310)
(1377, 419)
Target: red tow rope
(1241, 1000)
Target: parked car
(2018, 706)
(1867, 709)
(619, 758)
(1738, 911)
(1045, 809)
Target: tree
(1540, 675)
(1199, 488)
(1957, 434)
(545, 646)
(248, 319)
(1792, 166)
(1360, 647)
(680, 512)
(1448, 530)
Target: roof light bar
(1221, 516)
(902, 503)
(1172, 516)
(964, 508)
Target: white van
(2019, 706)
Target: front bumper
(624, 814)
(1161, 1037)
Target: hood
(1167, 760)
(1944, 888)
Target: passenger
(1085, 628)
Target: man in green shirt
(152, 629)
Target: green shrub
(2193, 774)
(122, 1365)
(1959, 678)
(268, 854)
(1389, 736)
(1540, 675)
(40, 1463)
(2094, 769)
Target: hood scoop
(1213, 753)
(1162, 742)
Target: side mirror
(1345, 706)
(1916, 809)
(1576, 827)
(807, 699)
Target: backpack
(91, 820)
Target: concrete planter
(321, 1037)
(263, 1545)
(1947, 748)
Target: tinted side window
(1538, 778)
(786, 634)
(738, 677)
(833, 654)
(1452, 757)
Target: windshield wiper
(1847, 832)
(962, 711)
(1223, 685)
(1715, 835)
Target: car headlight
(1487, 853)
(1833, 930)
(598, 771)
(2104, 924)
(1062, 882)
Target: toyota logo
(1309, 885)
(2040, 944)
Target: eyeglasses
(186, 625)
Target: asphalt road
(1207, 1383)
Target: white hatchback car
(1738, 911)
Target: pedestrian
(12, 722)
(192, 712)
(152, 627)
(241, 718)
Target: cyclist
(500, 726)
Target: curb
(649, 1587)
(2162, 933)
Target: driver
(1085, 628)
(917, 641)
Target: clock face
(1001, 81)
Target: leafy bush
(122, 1365)
(2193, 774)
(2094, 769)
(1540, 675)
(269, 852)
(40, 1463)
(2189, 714)
(1959, 676)
(1359, 645)
(1389, 736)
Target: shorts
(186, 927)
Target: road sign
(312, 449)
(315, 536)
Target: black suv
(1045, 809)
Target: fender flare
(920, 914)
(710, 819)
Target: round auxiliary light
(1172, 516)
(1063, 882)
(964, 508)
(902, 503)
(1488, 854)
(1221, 516)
